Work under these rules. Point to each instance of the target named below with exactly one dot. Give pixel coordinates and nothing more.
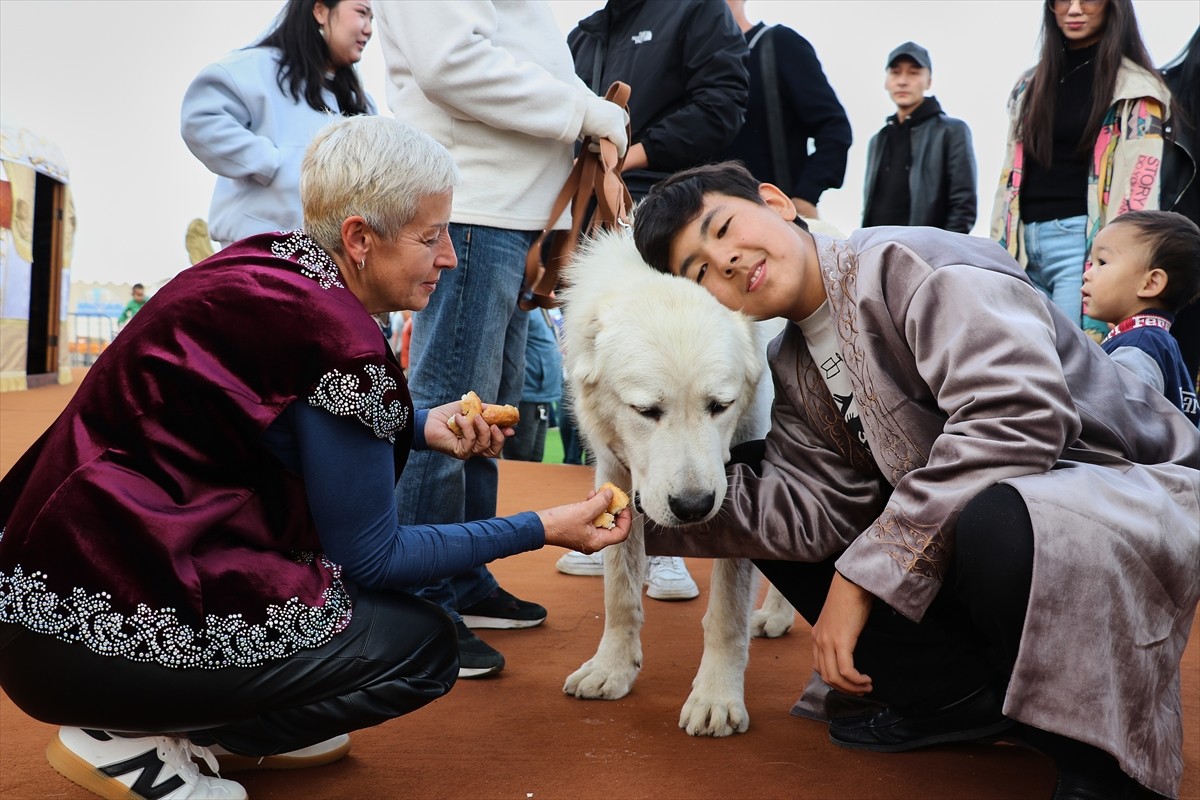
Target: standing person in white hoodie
(250, 116)
(495, 84)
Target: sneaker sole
(985, 735)
(587, 572)
(672, 594)
(232, 762)
(478, 672)
(499, 623)
(80, 772)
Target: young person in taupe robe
(990, 519)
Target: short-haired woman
(203, 550)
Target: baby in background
(1145, 267)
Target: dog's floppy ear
(583, 330)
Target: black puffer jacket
(941, 177)
(685, 61)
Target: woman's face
(346, 27)
(1081, 21)
(403, 272)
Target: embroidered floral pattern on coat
(314, 262)
(339, 393)
(159, 636)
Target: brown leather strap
(594, 175)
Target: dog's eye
(716, 407)
(649, 412)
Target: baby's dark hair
(675, 201)
(1172, 244)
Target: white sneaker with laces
(669, 579)
(155, 767)
(315, 755)
(575, 563)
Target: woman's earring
(362, 263)
(324, 34)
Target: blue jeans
(1057, 251)
(471, 337)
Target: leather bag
(595, 180)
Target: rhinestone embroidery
(314, 262)
(337, 392)
(160, 637)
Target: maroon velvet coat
(150, 520)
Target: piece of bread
(620, 502)
(503, 416)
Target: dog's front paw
(768, 624)
(774, 618)
(597, 681)
(707, 716)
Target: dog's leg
(775, 617)
(716, 706)
(611, 672)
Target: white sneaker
(115, 767)
(669, 579)
(316, 755)
(574, 563)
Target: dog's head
(662, 376)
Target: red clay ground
(518, 737)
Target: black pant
(398, 653)
(969, 635)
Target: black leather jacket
(941, 177)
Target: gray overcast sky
(103, 80)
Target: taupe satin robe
(966, 376)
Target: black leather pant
(398, 653)
(970, 634)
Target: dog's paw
(768, 624)
(705, 716)
(593, 681)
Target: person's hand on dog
(478, 438)
(836, 633)
(571, 526)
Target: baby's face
(1115, 280)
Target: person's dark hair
(675, 201)
(1120, 38)
(304, 57)
(136, 286)
(1182, 74)
(1172, 242)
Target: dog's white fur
(664, 379)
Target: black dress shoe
(976, 717)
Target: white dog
(664, 379)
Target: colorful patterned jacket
(1126, 166)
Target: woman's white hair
(369, 166)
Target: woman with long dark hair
(250, 116)
(1085, 144)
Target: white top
(495, 83)
(243, 127)
(823, 347)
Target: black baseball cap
(911, 50)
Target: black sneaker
(501, 610)
(476, 659)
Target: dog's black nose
(692, 506)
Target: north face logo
(643, 37)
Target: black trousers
(399, 653)
(970, 634)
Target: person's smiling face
(751, 257)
